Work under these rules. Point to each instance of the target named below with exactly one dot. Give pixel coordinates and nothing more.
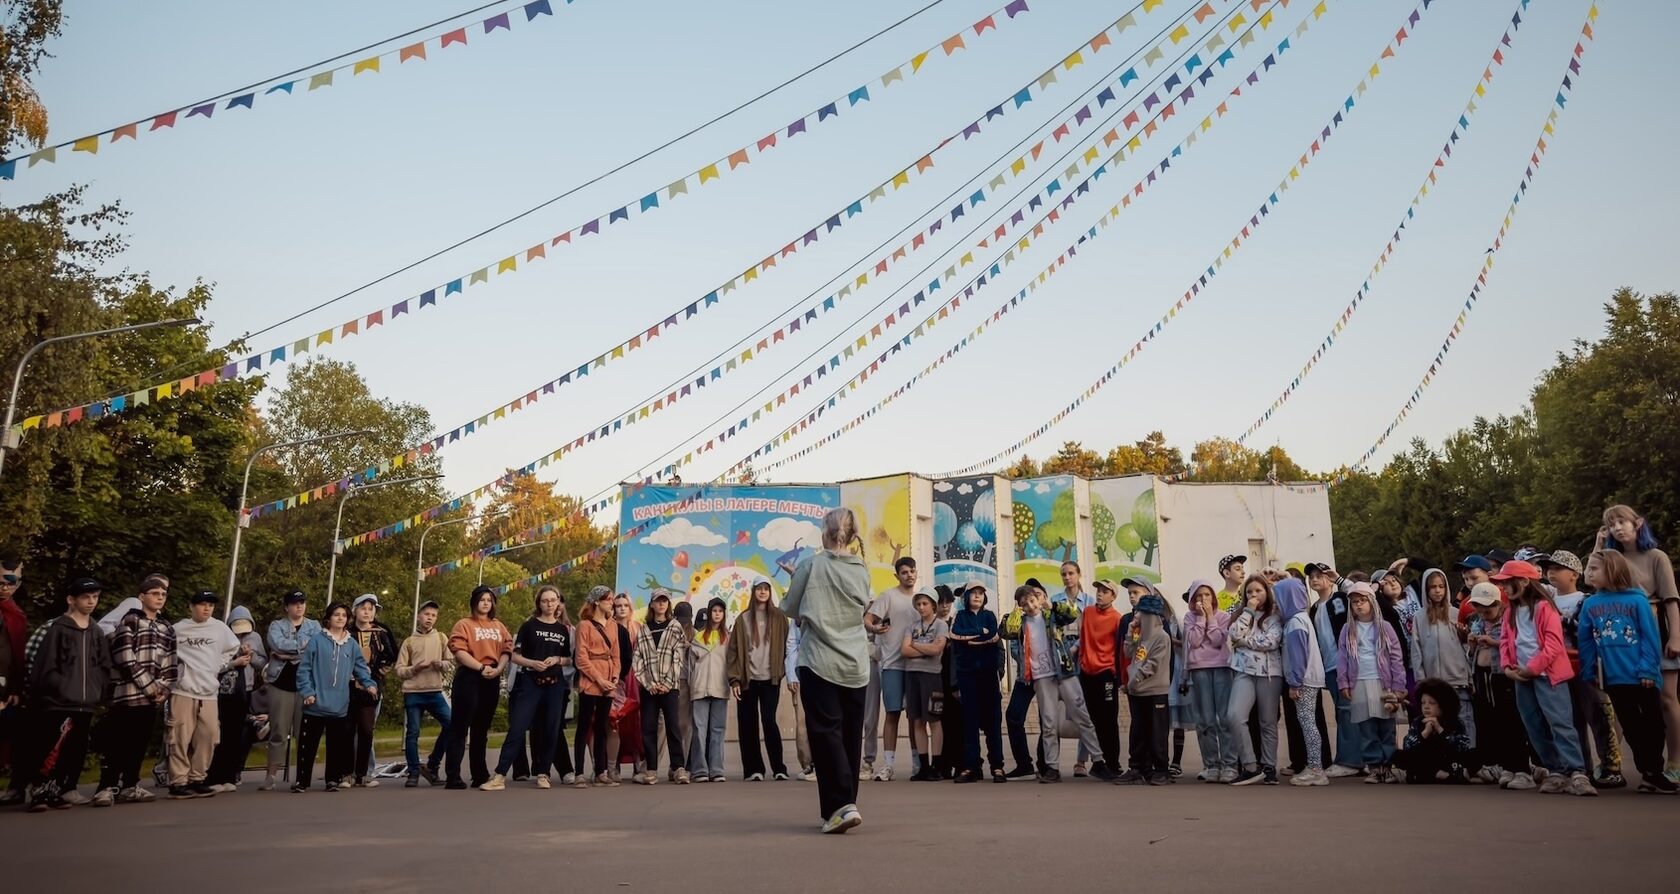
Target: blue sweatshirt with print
(1618, 628)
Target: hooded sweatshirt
(1150, 649)
(1206, 641)
(72, 668)
(1391, 669)
(424, 648)
(259, 657)
(1440, 652)
(143, 651)
(202, 651)
(1618, 629)
(1256, 643)
(112, 618)
(708, 677)
(827, 595)
(1303, 663)
(326, 672)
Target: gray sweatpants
(1245, 692)
(285, 719)
(1054, 698)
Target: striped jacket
(661, 664)
(143, 650)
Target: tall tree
(25, 27)
(1074, 459)
(1149, 456)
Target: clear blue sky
(312, 194)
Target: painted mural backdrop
(1046, 528)
(882, 507)
(1124, 530)
(723, 541)
(965, 531)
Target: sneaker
(268, 783)
(543, 782)
(807, 774)
(521, 779)
(702, 777)
(136, 795)
(1228, 775)
(411, 782)
(11, 796)
(366, 782)
(719, 777)
(569, 779)
(333, 786)
(965, 777)
(579, 780)
(1376, 777)
(497, 782)
(1505, 778)
(680, 777)
(1079, 769)
(1102, 773)
(202, 789)
(1488, 775)
(1520, 782)
(1175, 771)
(1610, 780)
(1247, 777)
(1050, 775)
(105, 797)
(1287, 771)
(224, 788)
(1554, 784)
(1269, 775)
(1130, 777)
(1672, 774)
(1021, 773)
(925, 774)
(1581, 784)
(298, 788)
(75, 798)
(781, 776)
(1392, 776)
(1657, 784)
(885, 774)
(1341, 771)
(1211, 774)
(182, 793)
(40, 805)
(605, 780)
(429, 774)
(866, 771)
(843, 819)
(756, 777)
(1310, 776)
(455, 785)
(647, 778)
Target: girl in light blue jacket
(331, 660)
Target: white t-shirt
(895, 606)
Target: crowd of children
(1521, 677)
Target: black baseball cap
(82, 586)
(203, 596)
(294, 597)
(1312, 568)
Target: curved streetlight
(352, 490)
(420, 557)
(242, 521)
(9, 440)
(509, 550)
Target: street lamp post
(509, 550)
(420, 557)
(242, 521)
(8, 439)
(337, 546)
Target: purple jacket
(1391, 671)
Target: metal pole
(242, 521)
(420, 557)
(509, 550)
(352, 490)
(8, 440)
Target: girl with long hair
(709, 693)
(1372, 677)
(597, 676)
(1256, 636)
(480, 644)
(1531, 653)
(541, 649)
(1440, 645)
(331, 662)
(1627, 532)
(1208, 655)
(1618, 640)
(757, 665)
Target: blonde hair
(1618, 574)
(840, 529)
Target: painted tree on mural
(968, 539)
(944, 529)
(1060, 531)
(985, 525)
(1143, 522)
(1102, 527)
(892, 535)
(1026, 525)
(1127, 538)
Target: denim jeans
(1548, 714)
(1020, 701)
(1210, 693)
(1348, 752)
(417, 705)
(706, 751)
(1376, 741)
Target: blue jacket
(969, 656)
(326, 672)
(1618, 628)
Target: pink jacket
(1391, 671)
(1205, 643)
(1552, 661)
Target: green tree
(1222, 459)
(1025, 525)
(1102, 527)
(1150, 456)
(1024, 467)
(1074, 459)
(25, 27)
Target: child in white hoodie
(204, 647)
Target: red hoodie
(17, 630)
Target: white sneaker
(845, 818)
(1554, 784)
(497, 782)
(1211, 774)
(885, 774)
(806, 776)
(1228, 775)
(1310, 776)
(756, 777)
(74, 797)
(136, 795)
(268, 783)
(867, 770)
(1580, 784)
(105, 797)
(1520, 782)
(1340, 771)
(1488, 775)
(568, 779)
(542, 781)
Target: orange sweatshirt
(488, 642)
(1099, 638)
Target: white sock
(890, 756)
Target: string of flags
(364, 323)
(1547, 131)
(1102, 224)
(1343, 111)
(800, 320)
(1460, 128)
(307, 82)
(876, 332)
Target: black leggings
(592, 726)
(337, 732)
(474, 706)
